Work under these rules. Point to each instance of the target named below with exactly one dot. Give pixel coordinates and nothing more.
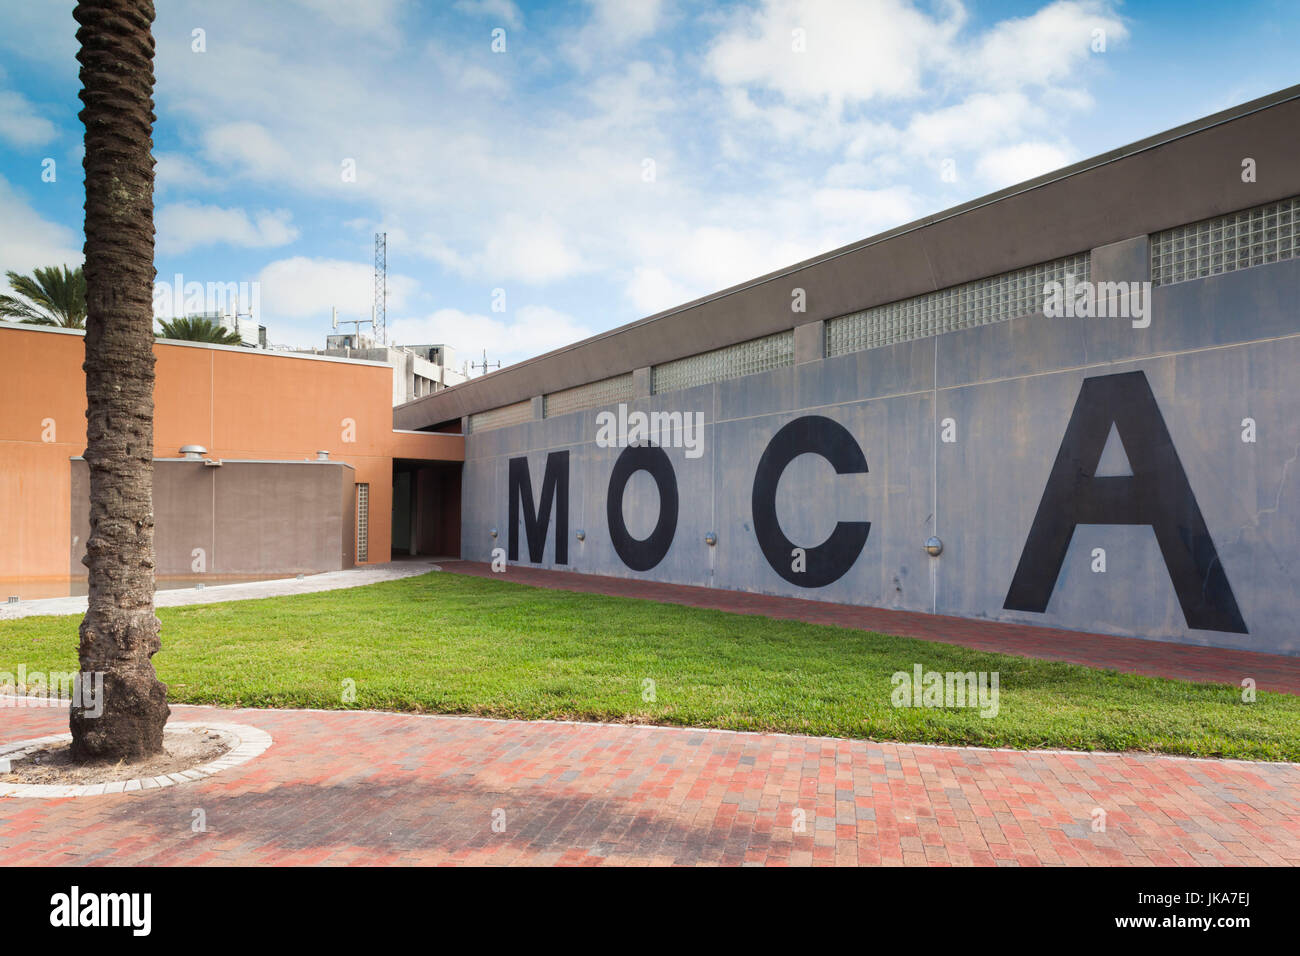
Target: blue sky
(615, 159)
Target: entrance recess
(426, 508)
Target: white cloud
(518, 248)
(854, 50)
(509, 337)
(620, 22)
(684, 263)
(1009, 165)
(178, 171)
(1047, 47)
(44, 33)
(189, 225)
(459, 69)
(613, 26)
(502, 11)
(20, 124)
(531, 252)
(372, 16)
(509, 171)
(302, 287)
(867, 59)
(651, 290)
(251, 150)
(867, 211)
(879, 169)
(975, 123)
(27, 241)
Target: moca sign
(1156, 494)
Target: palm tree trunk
(119, 634)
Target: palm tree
(50, 296)
(198, 330)
(119, 633)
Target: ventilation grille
(744, 358)
(1238, 240)
(996, 299)
(363, 521)
(608, 391)
(515, 414)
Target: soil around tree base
(184, 748)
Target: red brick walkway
(366, 788)
(1155, 658)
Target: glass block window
(1238, 240)
(995, 299)
(744, 358)
(608, 391)
(515, 414)
(363, 521)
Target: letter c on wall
(830, 560)
(642, 554)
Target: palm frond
(54, 296)
(198, 330)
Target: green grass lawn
(454, 644)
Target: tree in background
(49, 296)
(119, 634)
(198, 330)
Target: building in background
(249, 332)
(266, 463)
(1074, 403)
(418, 370)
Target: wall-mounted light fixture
(933, 546)
(581, 535)
(711, 538)
(492, 532)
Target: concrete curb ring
(250, 742)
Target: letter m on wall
(1157, 493)
(537, 515)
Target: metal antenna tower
(379, 326)
(484, 364)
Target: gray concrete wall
(1217, 351)
(247, 517)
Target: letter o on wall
(642, 554)
(830, 560)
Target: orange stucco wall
(237, 403)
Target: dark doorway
(426, 508)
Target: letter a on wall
(1157, 493)
(537, 518)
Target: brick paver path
(1132, 655)
(340, 788)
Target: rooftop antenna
(484, 364)
(379, 313)
(355, 323)
(241, 315)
